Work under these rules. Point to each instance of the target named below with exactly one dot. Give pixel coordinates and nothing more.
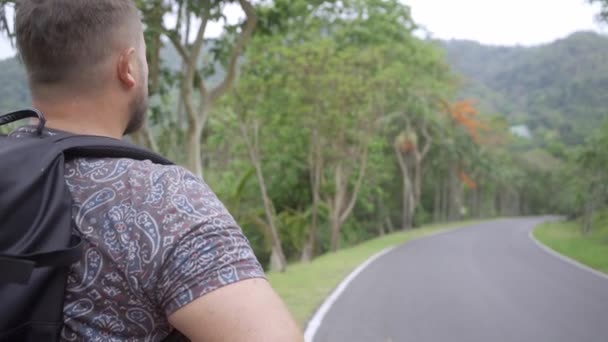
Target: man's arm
(208, 281)
(248, 311)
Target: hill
(556, 89)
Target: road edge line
(564, 258)
(315, 322)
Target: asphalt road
(486, 283)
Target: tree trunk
(504, 203)
(407, 190)
(477, 203)
(411, 208)
(341, 185)
(308, 249)
(197, 118)
(380, 215)
(381, 229)
(437, 202)
(193, 148)
(389, 224)
(341, 207)
(445, 198)
(455, 195)
(590, 205)
(181, 114)
(516, 203)
(588, 217)
(335, 232)
(278, 260)
(405, 208)
(316, 166)
(452, 197)
(472, 203)
(279, 263)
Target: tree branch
(180, 11)
(428, 141)
(191, 64)
(353, 199)
(174, 38)
(244, 37)
(408, 124)
(200, 36)
(400, 158)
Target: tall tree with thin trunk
(411, 151)
(342, 201)
(197, 95)
(249, 127)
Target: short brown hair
(60, 39)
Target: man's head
(85, 48)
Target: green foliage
(555, 88)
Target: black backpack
(37, 244)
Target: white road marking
(316, 320)
(565, 258)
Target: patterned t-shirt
(156, 238)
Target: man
(161, 251)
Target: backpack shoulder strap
(24, 114)
(18, 268)
(76, 146)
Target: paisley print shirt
(156, 238)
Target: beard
(138, 110)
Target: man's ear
(126, 68)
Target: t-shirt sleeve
(203, 247)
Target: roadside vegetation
(566, 238)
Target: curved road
(485, 283)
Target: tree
(191, 16)
(334, 86)
(593, 159)
(198, 106)
(413, 92)
(247, 98)
(411, 151)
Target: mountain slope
(557, 88)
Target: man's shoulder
(141, 177)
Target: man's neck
(81, 118)
(75, 127)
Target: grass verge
(304, 286)
(565, 237)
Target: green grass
(304, 286)
(566, 238)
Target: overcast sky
(498, 22)
(505, 22)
